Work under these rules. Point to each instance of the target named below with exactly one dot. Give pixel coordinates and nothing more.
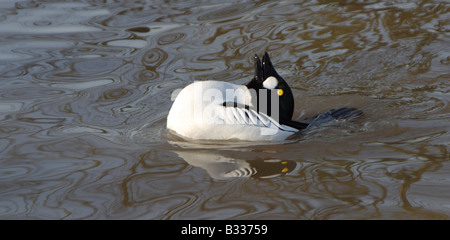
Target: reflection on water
(85, 89)
(225, 167)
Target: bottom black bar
(223, 229)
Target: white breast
(198, 113)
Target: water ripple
(86, 88)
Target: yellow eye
(280, 92)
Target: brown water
(85, 89)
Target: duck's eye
(280, 92)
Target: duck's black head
(267, 78)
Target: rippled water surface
(85, 88)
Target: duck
(261, 110)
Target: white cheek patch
(270, 83)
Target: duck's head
(267, 78)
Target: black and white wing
(244, 115)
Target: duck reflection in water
(223, 167)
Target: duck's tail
(333, 116)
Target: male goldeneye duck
(258, 111)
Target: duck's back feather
(201, 111)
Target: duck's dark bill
(267, 66)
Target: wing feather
(248, 116)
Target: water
(85, 88)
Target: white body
(198, 113)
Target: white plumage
(199, 113)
